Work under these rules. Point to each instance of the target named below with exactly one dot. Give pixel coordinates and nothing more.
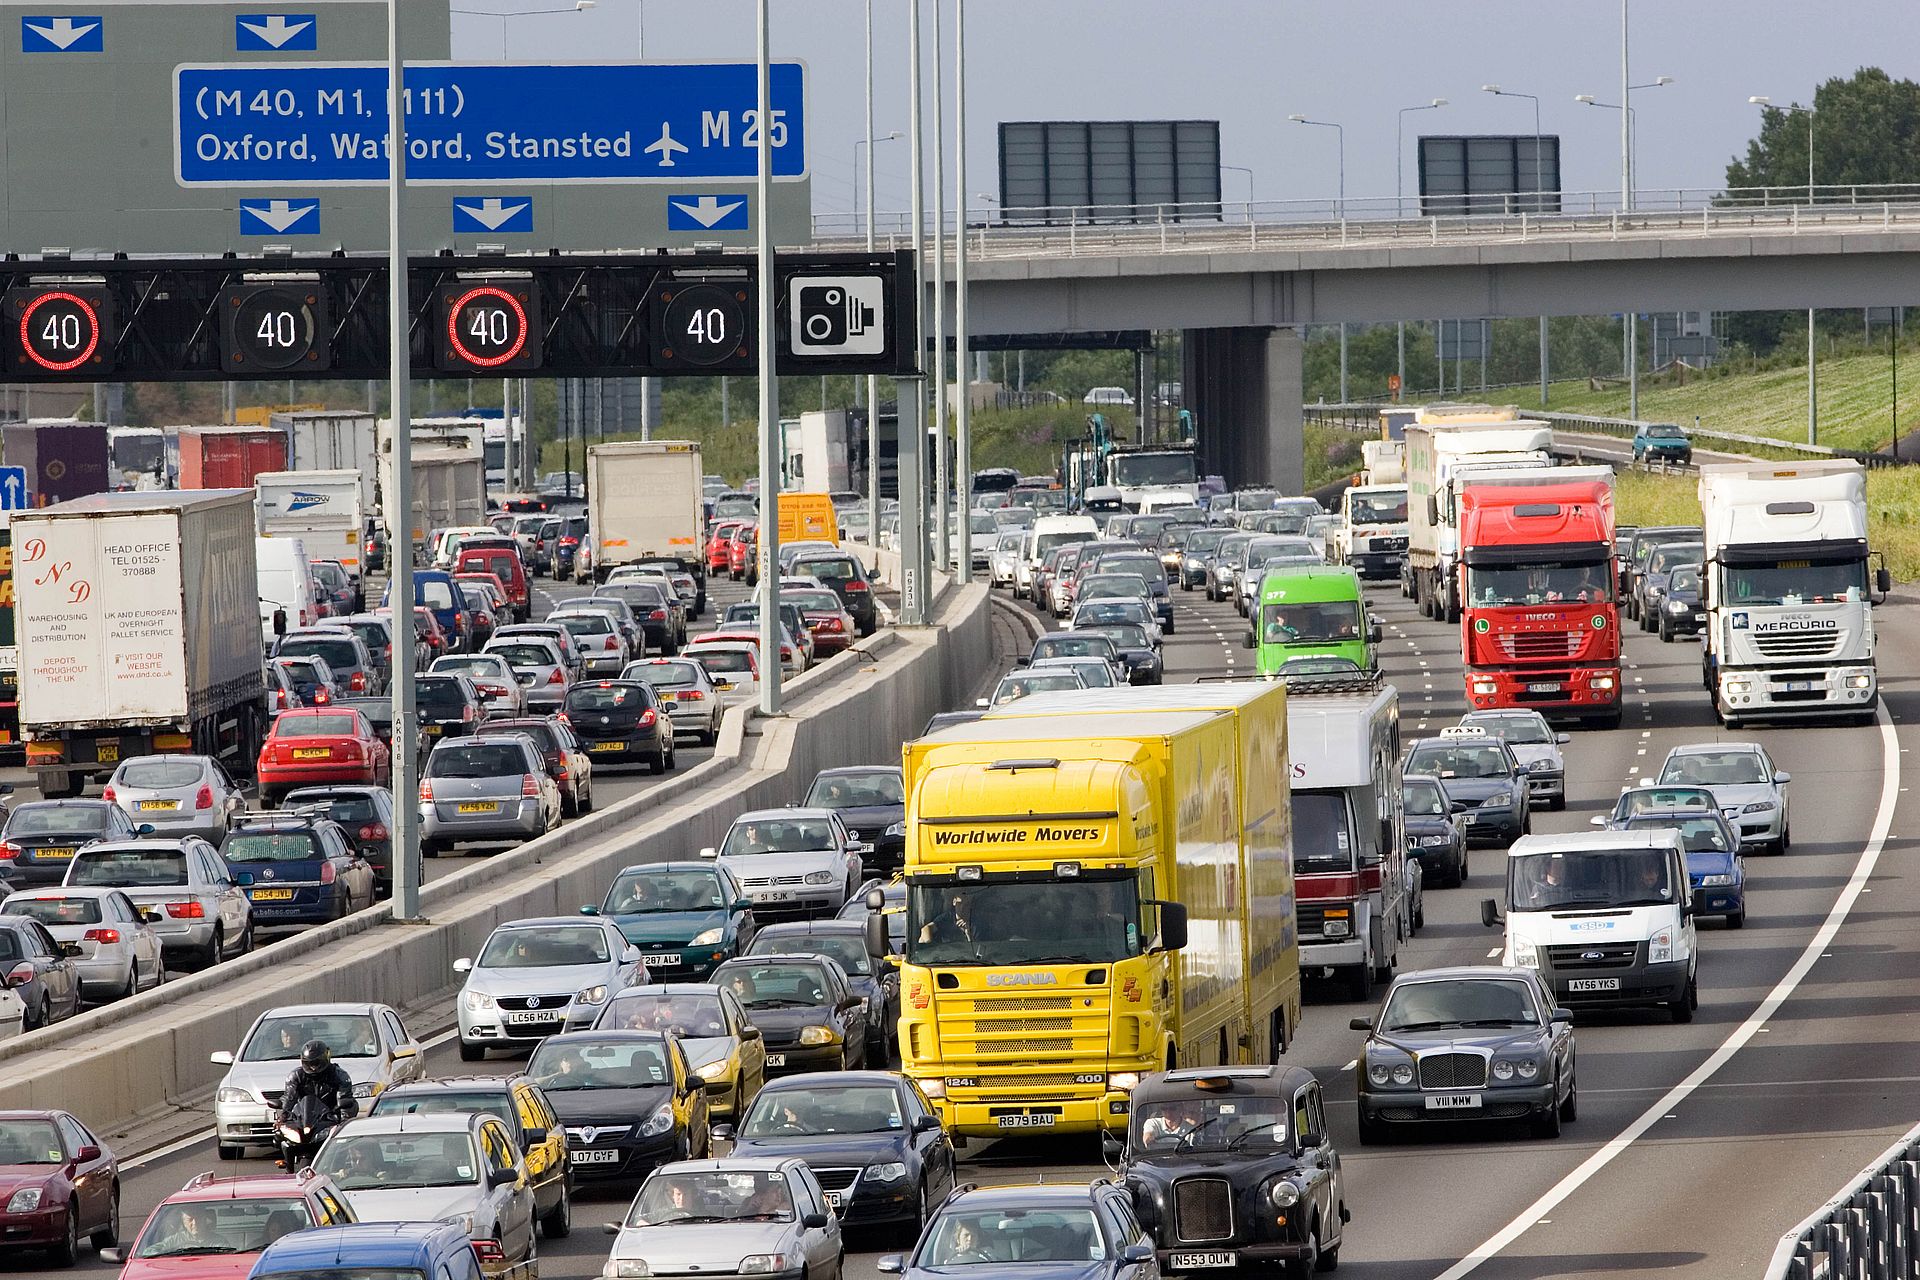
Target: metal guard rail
(1867, 1232)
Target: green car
(684, 917)
(1312, 612)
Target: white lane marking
(193, 1140)
(1351, 1065)
(1756, 1021)
(1494, 954)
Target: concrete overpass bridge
(1243, 280)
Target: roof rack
(1363, 682)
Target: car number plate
(776, 1059)
(478, 806)
(1550, 686)
(774, 895)
(1593, 984)
(107, 753)
(1452, 1101)
(535, 1015)
(608, 746)
(313, 753)
(156, 804)
(595, 1157)
(430, 730)
(1799, 686)
(53, 853)
(270, 895)
(1185, 1261)
(1030, 1120)
(657, 959)
(836, 1200)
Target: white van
(286, 584)
(1047, 533)
(1606, 917)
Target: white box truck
(449, 489)
(645, 503)
(1789, 594)
(335, 440)
(1442, 443)
(324, 509)
(138, 632)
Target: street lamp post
(1340, 211)
(579, 6)
(1399, 148)
(869, 143)
(1813, 400)
(963, 412)
(398, 510)
(1539, 203)
(1240, 168)
(1629, 141)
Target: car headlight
(1676, 606)
(1660, 947)
(715, 1070)
(816, 1035)
(1525, 954)
(708, 937)
(365, 1089)
(1336, 926)
(1541, 766)
(1715, 881)
(228, 1093)
(25, 1200)
(892, 1171)
(1379, 1073)
(592, 995)
(624, 1268)
(1123, 1081)
(1739, 686)
(1403, 1073)
(755, 1264)
(1283, 1194)
(661, 1121)
(1859, 682)
(1527, 1068)
(819, 877)
(1497, 799)
(1759, 806)
(464, 1221)
(1433, 842)
(1603, 682)
(478, 1002)
(1502, 1070)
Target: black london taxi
(1232, 1167)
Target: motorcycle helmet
(315, 1057)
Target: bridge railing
(1868, 1231)
(1073, 230)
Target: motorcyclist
(319, 1078)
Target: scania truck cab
(1371, 537)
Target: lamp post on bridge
(1813, 400)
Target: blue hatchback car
(305, 868)
(439, 1250)
(1068, 1232)
(1661, 442)
(1716, 875)
(434, 588)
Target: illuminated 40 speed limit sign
(59, 328)
(488, 326)
(274, 328)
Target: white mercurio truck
(1440, 454)
(1789, 591)
(323, 509)
(1371, 536)
(646, 502)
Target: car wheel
(569, 807)
(64, 1253)
(132, 985)
(42, 1015)
(109, 1235)
(1360, 982)
(1570, 1105)
(472, 1052)
(1305, 1265)
(1786, 840)
(1373, 1133)
(246, 941)
(658, 765)
(1547, 1124)
(429, 849)
(558, 1224)
(1689, 1001)
(586, 799)
(710, 737)
(1737, 919)
(228, 1153)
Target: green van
(1312, 612)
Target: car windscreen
(1378, 508)
(1460, 1003)
(1716, 768)
(441, 1101)
(1591, 879)
(1641, 799)
(1575, 582)
(1423, 800)
(776, 984)
(524, 655)
(1326, 622)
(1073, 646)
(434, 594)
(1122, 635)
(1059, 1236)
(608, 1064)
(819, 1112)
(778, 835)
(393, 1161)
(52, 910)
(678, 1195)
(280, 1038)
(242, 1225)
(1524, 730)
(332, 725)
(849, 949)
(161, 772)
(477, 760)
(856, 790)
(1242, 1122)
(57, 819)
(1322, 834)
(657, 889)
(535, 948)
(1014, 688)
(1450, 760)
(684, 1014)
(128, 868)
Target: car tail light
(389, 653)
(562, 716)
(693, 695)
(831, 624)
(658, 614)
(560, 769)
(305, 618)
(374, 831)
(556, 677)
(426, 791)
(855, 584)
(107, 936)
(488, 1251)
(203, 798)
(569, 541)
(20, 975)
(107, 795)
(529, 785)
(321, 697)
(327, 873)
(357, 681)
(186, 911)
(646, 718)
(467, 715)
(612, 642)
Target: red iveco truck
(1538, 624)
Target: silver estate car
(536, 978)
(116, 952)
(729, 1217)
(540, 667)
(793, 863)
(686, 691)
(177, 795)
(490, 787)
(192, 898)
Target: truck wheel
(1360, 981)
(1689, 1001)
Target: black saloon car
(628, 1101)
(41, 837)
(807, 1013)
(619, 720)
(870, 799)
(1435, 838)
(872, 976)
(870, 1137)
(1232, 1167)
(1466, 1045)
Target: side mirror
(891, 1264)
(982, 702)
(876, 900)
(1137, 1253)
(1112, 1148)
(1489, 913)
(463, 965)
(709, 852)
(279, 622)
(1023, 660)
(610, 1228)
(722, 1133)
(1562, 739)
(1173, 926)
(1460, 806)
(1376, 633)
(1361, 1024)
(1883, 580)
(926, 1124)
(1783, 777)
(1597, 820)
(144, 829)
(749, 1032)
(221, 1057)
(630, 956)
(1563, 1015)
(589, 910)
(501, 1177)
(1433, 509)
(876, 934)
(815, 1221)
(111, 1255)
(532, 1137)
(1248, 642)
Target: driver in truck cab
(955, 924)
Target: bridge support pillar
(1246, 387)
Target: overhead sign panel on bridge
(278, 124)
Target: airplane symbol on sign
(666, 147)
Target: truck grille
(1452, 1071)
(1021, 1004)
(1202, 1210)
(1025, 1024)
(1386, 544)
(1310, 918)
(1554, 645)
(1815, 644)
(1576, 956)
(1000, 1031)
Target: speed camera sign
(837, 315)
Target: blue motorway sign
(271, 124)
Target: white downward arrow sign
(281, 214)
(276, 30)
(493, 213)
(64, 32)
(707, 210)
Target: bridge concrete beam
(1245, 386)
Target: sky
(1252, 63)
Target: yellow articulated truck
(1084, 907)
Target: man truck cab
(1605, 917)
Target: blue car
(305, 868)
(1716, 874)
(434, 588)
(1068, 1232)
(685, 917)
(1661, 442)
(437, 1249)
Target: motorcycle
(299, 1132)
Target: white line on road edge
(193, 1140)
(1756, 1021)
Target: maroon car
(58, 1183)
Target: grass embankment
(1893, 510)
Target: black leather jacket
(331, 1088)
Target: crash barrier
(149, 1054)
(1868, 1231)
